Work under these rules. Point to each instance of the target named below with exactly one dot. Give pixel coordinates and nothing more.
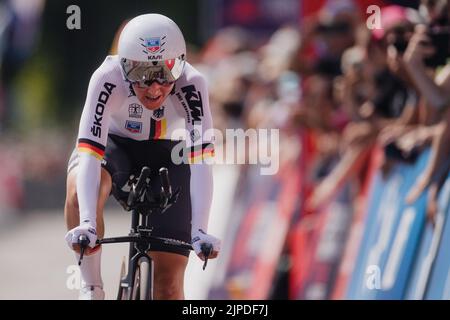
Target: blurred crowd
(349, 84)
(342, 83)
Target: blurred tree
(19, 33)
(52, 85)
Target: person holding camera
(428, 49)
(426, 61)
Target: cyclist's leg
(169, 275)
(170, 263)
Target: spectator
(424, 53)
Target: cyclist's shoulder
(110, 68)
(109, 75)
(191, 76)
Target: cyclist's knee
(169, 275)
(168, 286)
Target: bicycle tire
(145, 279)
(142, 286)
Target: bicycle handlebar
(135, 192)
(206, 248)
(165, 182)
(136, 237)
(137, 188)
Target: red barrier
(311, 275)
(273, 243)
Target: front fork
(136, 251)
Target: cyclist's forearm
(88, 182)
(201, 195)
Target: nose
(154, 87)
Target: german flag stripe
(152, 128)
(201, 148)
(158, 129)
(92, 153)
(92, 143)
(91, 147)
(200, 152)
(163, 129)
(199, 157)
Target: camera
(439, 39)
(392, 151)
(439, 35)
(436, 12)
(399, 36)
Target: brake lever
(174, 198)
(83, 241)
(137, 188)
(164, 202)
(206, 250)
(170, 201)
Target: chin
(152, 106)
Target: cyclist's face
(154, 95)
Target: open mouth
(153, 99)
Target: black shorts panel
(124, 157)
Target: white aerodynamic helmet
(152, 47)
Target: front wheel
(142, 284)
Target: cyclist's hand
(199, 237)
(73, 235)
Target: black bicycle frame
(140, 242)
(140, 236)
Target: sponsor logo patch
(153, 45)
(135, 110)
(133, 126)
(96, 129)
(194, 101)
(158, 113)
